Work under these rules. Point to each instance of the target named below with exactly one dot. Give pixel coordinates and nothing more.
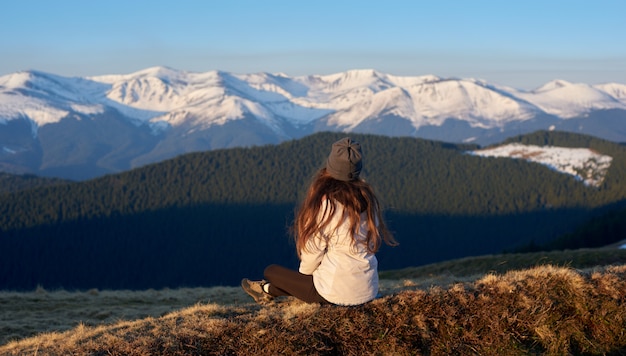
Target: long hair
(357, 196)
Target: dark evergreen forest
(15, 183)
(211, 218)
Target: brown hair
(357, 196)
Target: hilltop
(542, 310)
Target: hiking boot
(255, 290)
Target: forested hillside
(14, 183)
(213, 217)
(600, 231)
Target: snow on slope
(566, 100)
(45, 98)
(469, 100)
(165, 97)
(582, 163)
(349, 97)
(615, 90)
(211, 98)
(356, 96)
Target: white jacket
(344, 273)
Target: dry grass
(543, 310)
(476, 266)
(28, 314)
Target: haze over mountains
(79, 128)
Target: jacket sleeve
(311, 256)
(313, 253)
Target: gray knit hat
(345, 160)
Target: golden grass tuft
(544, 310)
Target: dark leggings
(287, 282)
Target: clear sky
(517, 43)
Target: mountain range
(83, 127)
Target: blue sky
(518, 43)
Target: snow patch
(18, 106)
(87, 109)
(469, 139)
(43, 117)
(584, 164)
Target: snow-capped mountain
(83, 127)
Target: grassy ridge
(469, 266)
(544, 310)
(426, 310)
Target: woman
(338, 230)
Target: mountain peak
(552, 85)
(616, 90)
(161, 72)
(16, 80)
(355, 79)
(30, 78)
